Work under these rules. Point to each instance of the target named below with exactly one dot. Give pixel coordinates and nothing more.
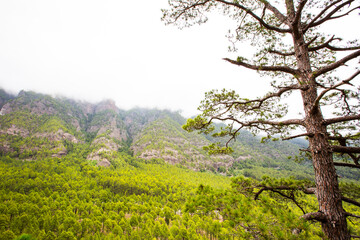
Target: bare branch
(313, 23)
(284, 54)
(256, 123)
(198, 3)
(328, 46)
(342, 149)
(347, 13)
(264, 68)
(318, 216)
(259, 19)
(299, 11)
(352, 215)
(281, 91)
(279, 190)
(276, 12)
(322, 94)
(341, 119)
(349, 200)
(319, 15)
(346, 165)
(336, 64)
(300, 135)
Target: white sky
(93, 50)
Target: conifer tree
(293, 50)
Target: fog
(94, 50)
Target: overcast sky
(94, 50)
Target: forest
(241, 169)
(70, 198)
(53, 185)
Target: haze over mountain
(51, 126)
(35, 125)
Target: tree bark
(327, 187)
(334, 223)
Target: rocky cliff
(34, 126)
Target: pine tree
(293, 50)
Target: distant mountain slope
(5, 97)
(34, 126)
(165, 139)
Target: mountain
(34, 126)
(77, 170)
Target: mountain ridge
(34, 125)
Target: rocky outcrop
(106, 105)
(58, 136)
(63, 122)
(14, 130)
(104, 147)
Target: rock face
(58, 123)
(4, 98)
(106, 105)
(59, 135)
(165, 139)
(34, 126)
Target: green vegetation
(290, 46)
(70, 199)
(53, 184)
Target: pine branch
(337, 64)
(276, 12)
(318, 216)
(343, 15)
(300, 135)
(315, 23)
(257, 18)
(343, 149)
(264, 68)
(284, 54)
(260, 101)
(352, 215)
(322, 94)
(341, 119)
(256, 123)
(279, 190)
(349, 200)
(342, 141)
(198, 3)
(299, 11)
(340, 164)
(319, 15)
(328, 46)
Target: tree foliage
(292, 49)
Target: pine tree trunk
(327, 186)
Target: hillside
(76, 170)
(35, 126)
